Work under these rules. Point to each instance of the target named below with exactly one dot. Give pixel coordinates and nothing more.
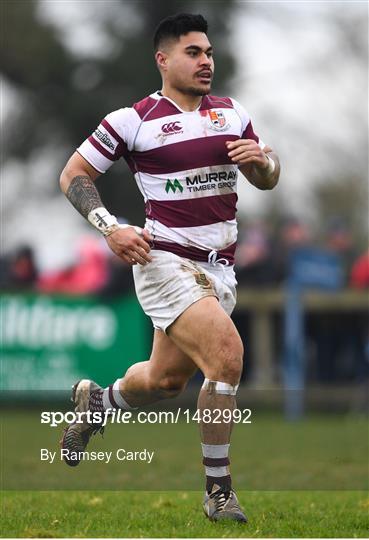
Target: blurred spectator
(87, 276)
(119, 279)
(339, 240)
(18, 270)
(340, 339)
(293, 234)
(4, 272)
(253, 257)
(359, 276)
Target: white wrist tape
(103, 221)
(220, 387)
(266, 172)
(271, 166)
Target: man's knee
(171, 386)
(229, 370)
(228, 365)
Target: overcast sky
(302, 84)
(305, 89)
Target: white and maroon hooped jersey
(180, 163)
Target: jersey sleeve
(247, 130)
(109, 141)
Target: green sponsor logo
(173, 186)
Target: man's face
(188, 65)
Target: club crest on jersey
(217, 120)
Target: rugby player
(184, 148)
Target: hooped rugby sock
(95, 403)
(113, 399)
(109, 398)
(216, 463)
(216, 399)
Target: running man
(184, 148)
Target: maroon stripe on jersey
(194, 253)
(214, 102)
(249, 133)
(102, 150)
(193, 212)
(112, 131)
(181, 156)
(163, 108)
(131, 164)
(143, 106)
(121, 149)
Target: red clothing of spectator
(88, 275)
(359, 277)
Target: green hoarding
(49, 342)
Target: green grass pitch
(306, 479)
(178, 514)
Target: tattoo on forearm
(83, 194)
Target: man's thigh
(207, 335)
(168, 285)
(168, 360)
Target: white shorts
(169, 284)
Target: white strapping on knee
(215, 450)
(220, 387)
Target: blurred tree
(345, 198)
(339, 198)
(64, 95)
(38, 67)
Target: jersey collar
(157, 95)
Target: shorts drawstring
(212, 259)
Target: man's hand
(130, 246)
(245, 151)
(253, 162)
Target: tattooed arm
(77, 183)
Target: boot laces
(220, 499)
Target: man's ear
(161, 59)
